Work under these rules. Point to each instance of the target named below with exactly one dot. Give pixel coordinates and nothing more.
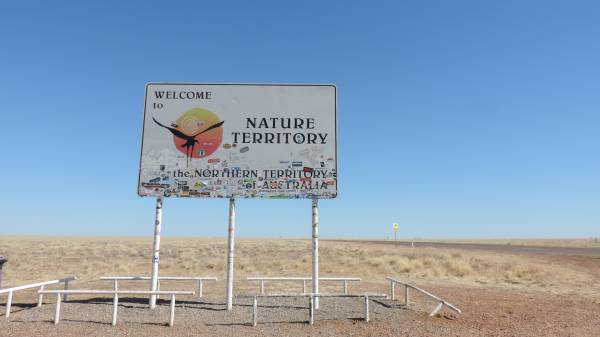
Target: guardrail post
(57, 313)
(392, 290)
(199, 289)
(304, 286)
(115, 285)
(66, 288)
(172, 318)
(262, 287)
(8, 304)
(366, 308)
(345, 287)
(311, 310)
(41, 297)
(437, 308)
(441, 302)
(115, 308)
(254, 311)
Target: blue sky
(456, 118)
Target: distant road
(594, 252)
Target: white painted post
(393, 293)
(115, 306)
(254, 311)
(366, 308)
(158, 289)
(156, 251)
(199, 289)
(230, 245)
(41, 297)
(437, 308)
(345, 287)
(116, 301)
(172, 318)
(311, 310)
(406, 299)
(66, 288)
(262, 287)
(57, 313)
(8, 304)
(304, 286)
(315, 251)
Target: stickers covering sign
(239, 140)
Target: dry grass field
(458, 275)
(39, 258)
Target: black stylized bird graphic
(190, 141)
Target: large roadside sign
(239, 140)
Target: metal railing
(262, 280)
(311, 303)
(200, 280)
(115, 294)
(407, 286)
(40, 285)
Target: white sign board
(239, 140)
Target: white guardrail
(40, 285)
(407, 286)
(199, 279)
(311, 314)
(262, 280)
(115, 294)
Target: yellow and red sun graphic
(195, 121)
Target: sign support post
(315, 251)
(230, 245)
(156, 251)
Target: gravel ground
(488, 311)
(276, 317)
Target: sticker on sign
(239, 140)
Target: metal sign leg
(315, 251)
(156, 251)
(230, 246)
